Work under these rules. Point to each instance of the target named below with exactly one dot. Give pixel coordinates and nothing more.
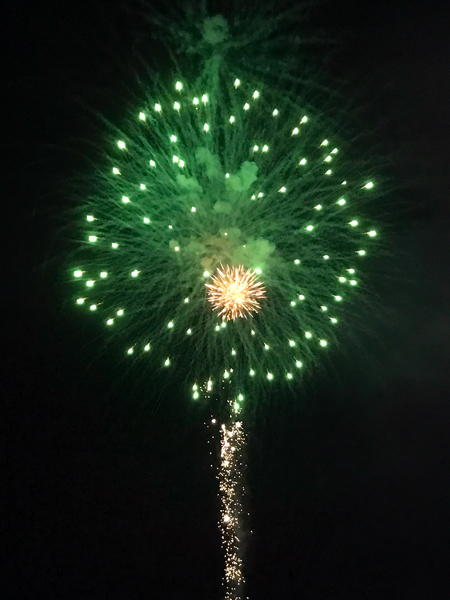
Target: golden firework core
(235, 292)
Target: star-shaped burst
(235, 291)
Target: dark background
(109, 488)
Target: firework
(235, 291)
(244, 178)
(222, 240)
(215, 208)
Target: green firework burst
(233, 175)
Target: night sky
(109, 490)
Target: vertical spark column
(231, 497)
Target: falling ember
(231, 495)
(235, 291)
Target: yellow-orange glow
(235, 292)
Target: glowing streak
(231, 496)
(234, 291)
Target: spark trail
(231, 488)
